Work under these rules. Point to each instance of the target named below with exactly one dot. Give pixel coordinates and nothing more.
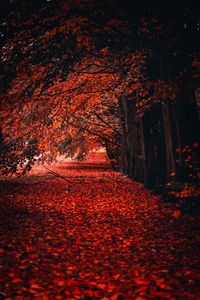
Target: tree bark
(169, 141)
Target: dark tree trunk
(123, 143)
(140, 167)
(130, 136)
(169, 139)
(154, 148)
(112, 150)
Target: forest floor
(97, 235)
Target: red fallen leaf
(71, 268)
(11, 274)
(111, 288)
(177, 213)
(141, 281)
(116, 277)
(161, 283)
(58, 297)
(45, 297)
(172, 174)
(114, 297)
(35, 287)
(78, 241)
(2, 250)
(16, 280)
(127, 243)
(60, 282)
(91, 293)
(101, 286)
(76, 291)
(164, 271)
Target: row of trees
(94, 74)
(161, 125)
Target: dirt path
(101, 236)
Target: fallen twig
(57, 175)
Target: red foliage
(96, 236)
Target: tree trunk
(130, 136)
(169, 141)
(124, 164)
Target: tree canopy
(66, 66)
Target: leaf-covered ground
(98, 236)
